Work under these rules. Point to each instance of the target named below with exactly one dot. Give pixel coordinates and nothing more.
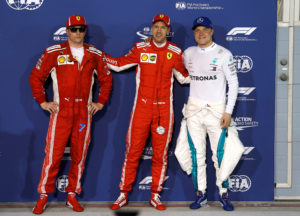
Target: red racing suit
(72, 87)
(153, 106)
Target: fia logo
(239, 183)
(180, 5)
(24, 4)
(62, 182)
(243, 63)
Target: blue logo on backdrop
(62, 182)
(24, 4)
(180, 5)
(245, 94)
(239, 183)
(243, 32)
(247, 152)
(60, 35)
(244, 122)
(243, 63)
(148, 153)
(145, 184)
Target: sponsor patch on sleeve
(39, 63)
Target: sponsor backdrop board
(247, 28)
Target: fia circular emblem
(62, 182)
(24, 4)
(160, 130)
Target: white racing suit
(201, 119)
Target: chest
(204, 64)
(68, 65)
(159, 62)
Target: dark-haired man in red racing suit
(72, 66)
(156, 62)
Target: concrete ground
(143, 209)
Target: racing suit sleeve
(179, 70)
(104, 77)
(39, 75)
(232, 80)
(131, 59)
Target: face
(160, 31)
(76, 35)
(203, 36)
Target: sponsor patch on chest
(148, 58)
(213, 67)
(64, 60)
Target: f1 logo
(241, 30)
(246, 90)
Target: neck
(205, 45)
(161, 44)
(75, 45)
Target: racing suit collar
(207, 49)
(159, 48)
(86, 55)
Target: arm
(105, 81)
(104, 77)
(122, 63)
(233, 84)
(37, 79)
(179, 70)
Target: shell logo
(78, 18)
(161, 16)
(144, 57)
(62, 59)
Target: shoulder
(174, 48)
(55, 48)
(223, 51)
(142, 44)
(190, 50)
(93, 50)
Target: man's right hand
(51, 107)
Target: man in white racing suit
(210, 67)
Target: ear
(68, 32)
(169, 29)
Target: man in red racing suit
(156, 62)
(72, 107)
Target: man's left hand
(225, 120)
(93, 108)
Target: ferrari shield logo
(169, 55)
